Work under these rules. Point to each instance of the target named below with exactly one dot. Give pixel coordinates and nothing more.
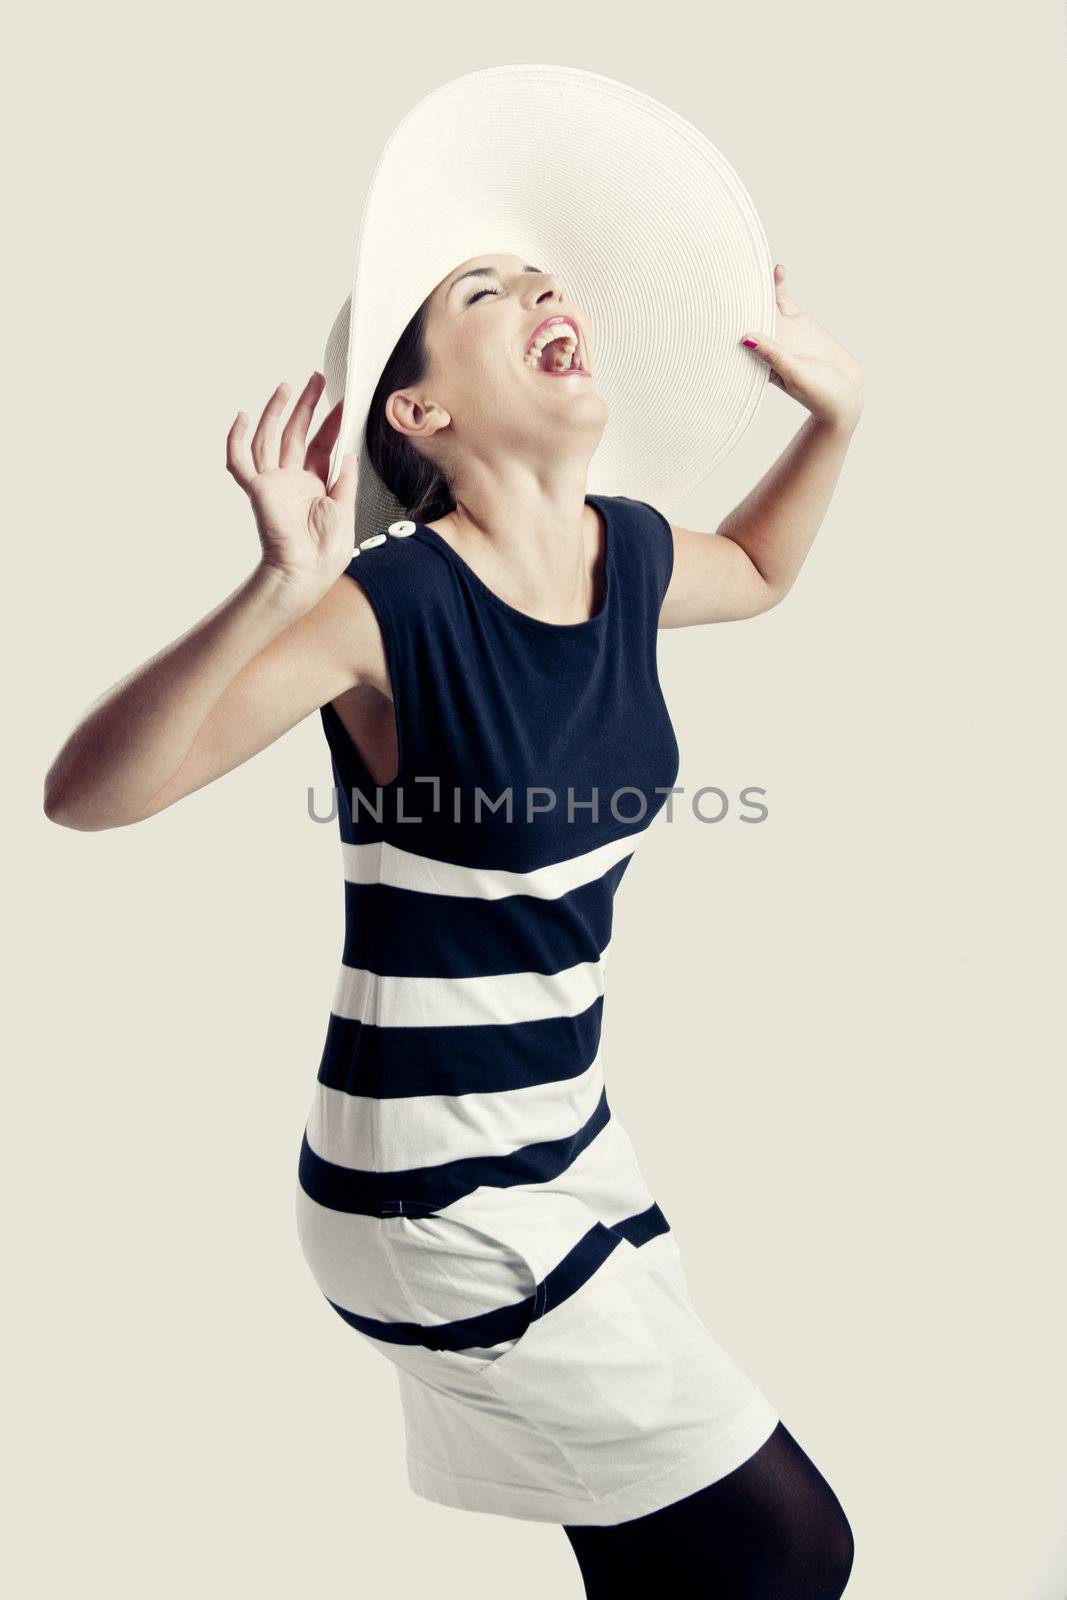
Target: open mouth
(556, 349)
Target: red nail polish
(752, 345)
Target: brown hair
(418, 484)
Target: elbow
(55, 803)
(83, 822)
(772, 595)
(62, 807)
(58, 808)
(754, 602)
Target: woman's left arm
(752, 560)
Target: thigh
(773, 1529)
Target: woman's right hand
(306, 534)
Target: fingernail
(752, 344)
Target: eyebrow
(481, 272)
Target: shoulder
(406, 586)
(640, 523)
(385, 551)
(639, 515)
(396, 569)
(645, 538)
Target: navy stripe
(387, 1063)
(644, 1226)
(505, 1322)
(400, 933)
(421, 1190)
(492, 1327)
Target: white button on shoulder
(401, 530)
(375, 538)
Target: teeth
(554, 331)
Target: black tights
(772, 1529)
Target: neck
(534, 541)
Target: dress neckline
(586, 625)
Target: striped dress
(467, 1201)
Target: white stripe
(471, 1257)
(506, 997)
(606, 1176)
(343, 1250)
(386, 863)
(392, 1134)
(356, 1265)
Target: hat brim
(647, 224)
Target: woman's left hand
(810, 366)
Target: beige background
(834, 1037)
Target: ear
(414, 418)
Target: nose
(551, 288)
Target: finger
(771, 351)
(238, 460)
(317, 459)
(294, 434)
(782, 298)
(344, 485)
(264, 447)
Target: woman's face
(481, 394)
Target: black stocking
(772, 1529)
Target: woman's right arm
(288, 639)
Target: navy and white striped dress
(467, 1200)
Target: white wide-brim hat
(648, 227)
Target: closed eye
(480, 292)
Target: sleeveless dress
(467, 1201)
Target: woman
(467, 1200)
